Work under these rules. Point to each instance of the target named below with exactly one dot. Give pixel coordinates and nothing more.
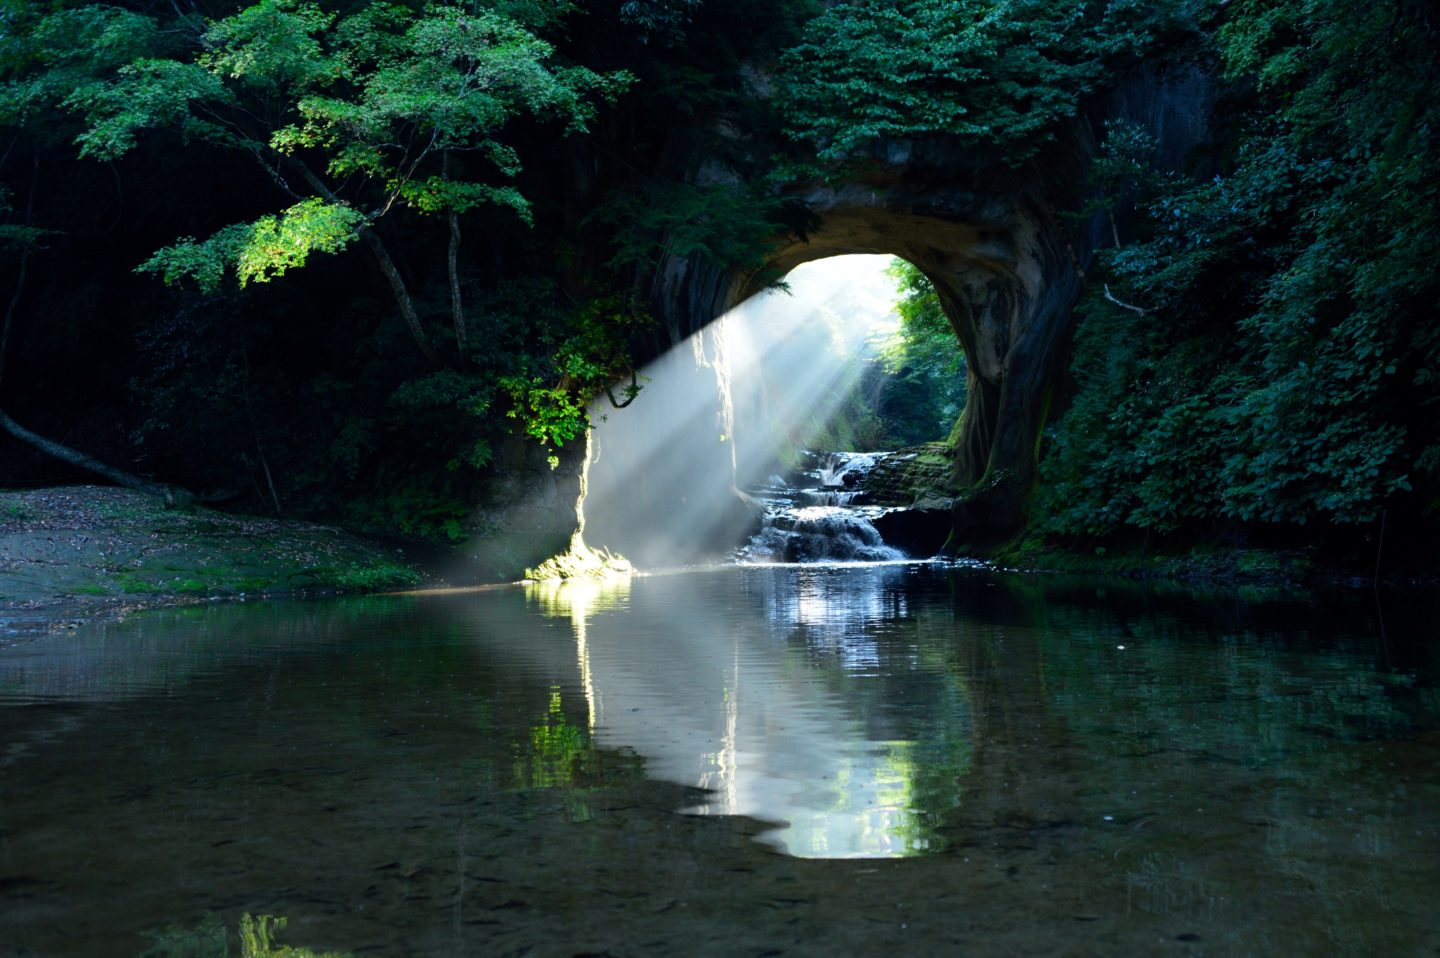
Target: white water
(817, 517)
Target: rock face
(530, 513)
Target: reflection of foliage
(204, 939)
(257, 941)
(1281, 702)
(554, 748)
(575, 599)
(208, 938)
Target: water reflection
(498, 772)
(730, 700)
(577, 599)
(209, 938)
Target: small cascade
(820, 516)
(841, 470)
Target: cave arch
(1007, 273)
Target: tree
(999, 77)
(1283, 369)
(925, 392)
(351, 117)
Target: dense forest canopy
(343, 254)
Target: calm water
(783, 760)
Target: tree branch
(457, 311)
(171, 494)
(1139, 310)
(387, 266)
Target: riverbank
(72, 554)
(1305, 569)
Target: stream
(819, 514)
(766, 759)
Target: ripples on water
(644, 767)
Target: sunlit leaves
(275, 45)
(926, 392)
(550, 414)
(262, 250)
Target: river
(824, 759)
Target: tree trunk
(387, 265)
(170, 494)
(20, 278)
(402, 295)
(457, 311)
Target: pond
(745, 760)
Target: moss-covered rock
(916, 476)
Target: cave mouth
(750, 401)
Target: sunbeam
(730, 407)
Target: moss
(192, 587)
(366, 578)
(912, 474)
(131, 585)
(90, 590)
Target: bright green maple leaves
(260, 251)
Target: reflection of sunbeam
(578, 599)
(720, 412)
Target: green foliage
(728, 225)
(205, 939)
(553, 415)
(588, 357)
(371, 577)
(380, 99)
(411, 510)
(925, 393)
(661, 20)
(1283, 372)
(1000, 77)
(260, 251)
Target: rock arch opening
(1006, 273)
(729, 418)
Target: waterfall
(818, 518)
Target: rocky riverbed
(75, 553)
